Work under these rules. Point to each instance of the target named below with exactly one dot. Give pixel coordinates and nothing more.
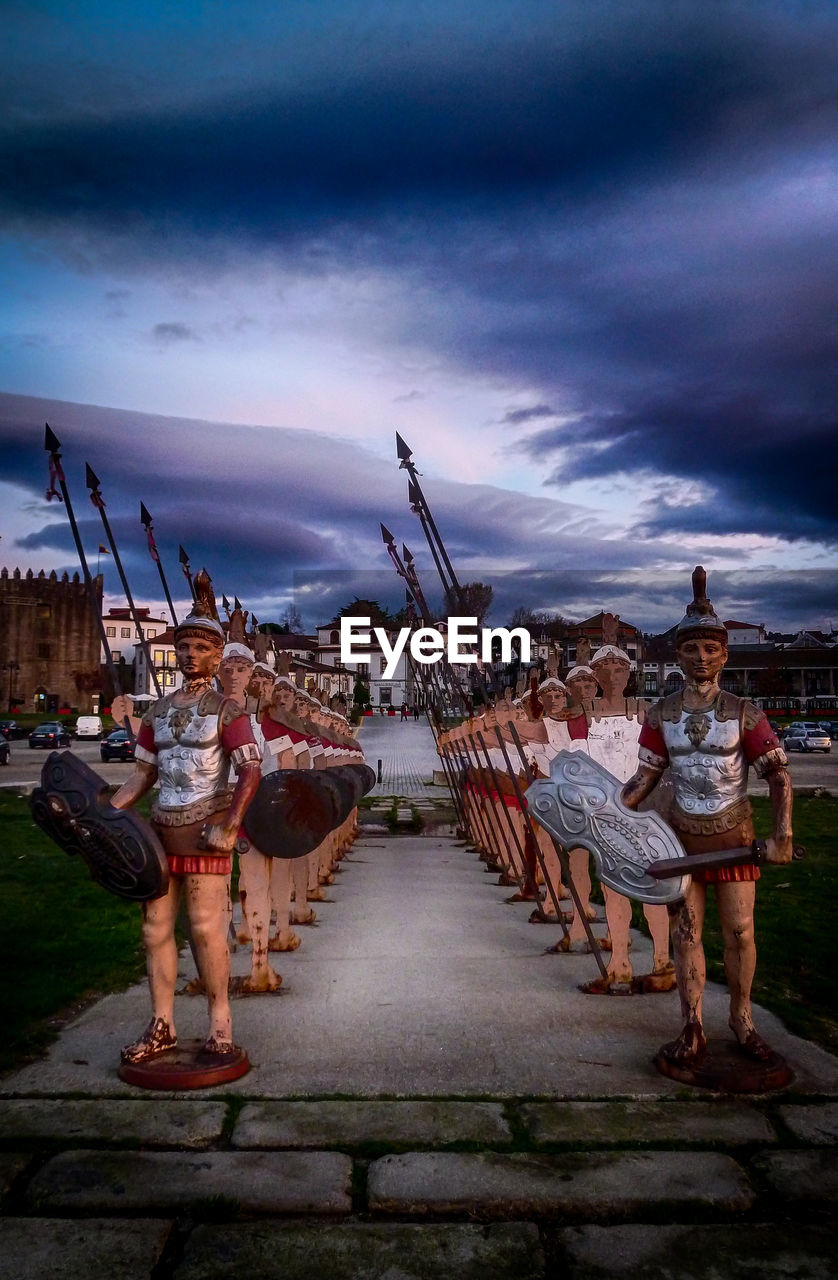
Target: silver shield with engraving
(580, 806)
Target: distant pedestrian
(416, 712)
(404, 711)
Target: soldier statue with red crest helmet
(187, 742)
(708, 738)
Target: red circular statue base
(186, 1067)
(726, 1069)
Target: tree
(366, 609)
(361, 694)
(291, 619)
(477, 600)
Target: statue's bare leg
(161, 965)
(256, 875)
(581, 874)
(285, 939)
(206, 904)
(736, 915)
(554, 870)
(303, 914)
(686, 924)
(662, 977)
(618, 915)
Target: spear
(183, 556)
(56, 476)
(145, 521)
(412, 582)
(94, 485)
(419, 504)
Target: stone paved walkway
(431, 1096)
(407, 754)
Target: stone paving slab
(817, 1124)
(596, 1186)
(377, 1251)
(11, 1164)
(612, 1123)
(803, 1176)
(147, 1122)
(92, 1248)
(169, 1181)
(787, 1252)
(324, 1124)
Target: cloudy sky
(581, 255)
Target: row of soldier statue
(207, 746)
(689, 755)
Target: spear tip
(51, 441)
(407, 554)
(403, 450)
(413, 495)
(386, 535)
(90, 477)
(145, 515)
(183, 556)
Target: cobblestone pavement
(407, 754)
(431, 1097)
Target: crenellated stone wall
(48, 626)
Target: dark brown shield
(122, 852)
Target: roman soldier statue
(709, 738)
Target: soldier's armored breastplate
(612, 742)
(191, 763)
(708, 766)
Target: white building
(369, 668)
(164, 661)
(122, 635)
(745, 632)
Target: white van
(89, 727)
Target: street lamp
(11, 666)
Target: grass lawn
(796, 909)
(63, 939)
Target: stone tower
(48, 627)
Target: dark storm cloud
(174, 331)
(771, 472)
(628, 212)
(257, 504)
(517, 417)
(533, 117)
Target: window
(363, 668)
(110, 631)
(116, 655)
(43, 649)
(44, 611)
(385, 695)
(125, 633)
(382, 663)
(159, 658)
(334, 637)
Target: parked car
(802, 738)
(49, 734)
(11, 729)
(117, 746)
(89, 727)
(5, 750)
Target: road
(407, 756)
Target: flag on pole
(152, 545)
(56, 476)
(103, 550)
